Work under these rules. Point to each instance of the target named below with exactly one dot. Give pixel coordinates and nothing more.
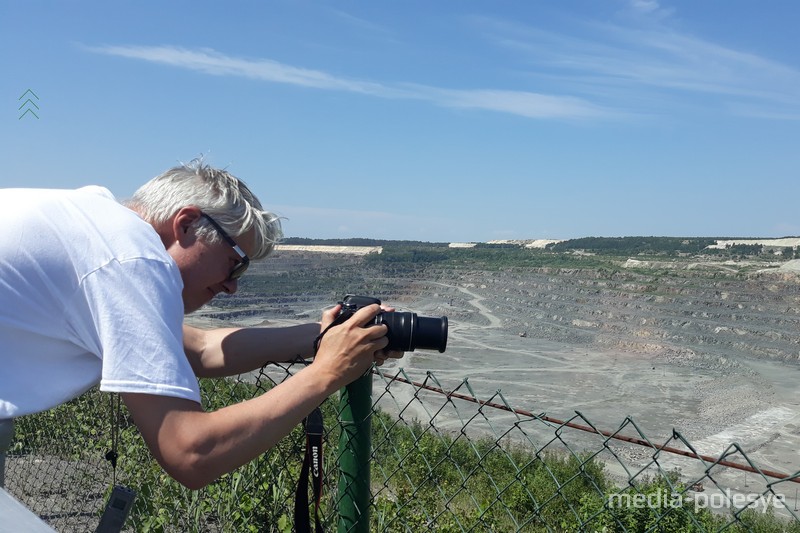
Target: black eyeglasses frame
(240, 267)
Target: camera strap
(121, 499)
(112, 455)
(312, 463)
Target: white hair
(222, 196)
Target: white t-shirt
(88, 294)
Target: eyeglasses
(242, 265)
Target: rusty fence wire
(441, 459)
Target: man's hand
(380, 356)
(348, 350)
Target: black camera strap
(121, 499)
(313, 464)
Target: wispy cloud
(642, 65)
(677, 61)
(650, 8)
(648, 61)
(523, 103)
(208, 61)
(647, 6)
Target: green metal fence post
(6, 436)
(354, 454)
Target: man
(95, 291)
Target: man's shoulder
(96, 190)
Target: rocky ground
(709, 348)
(711, 313)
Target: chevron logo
(28, 105)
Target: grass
(421, 478)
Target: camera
(407, 331)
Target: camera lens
(407, 331)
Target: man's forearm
(231, 351)
(196, 447)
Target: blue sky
(437, 121)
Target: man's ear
(182, 223)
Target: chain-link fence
(441, 459)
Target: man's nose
(230, 286)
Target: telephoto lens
(407, 331)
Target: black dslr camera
(407, 331)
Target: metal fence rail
(441, 458)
